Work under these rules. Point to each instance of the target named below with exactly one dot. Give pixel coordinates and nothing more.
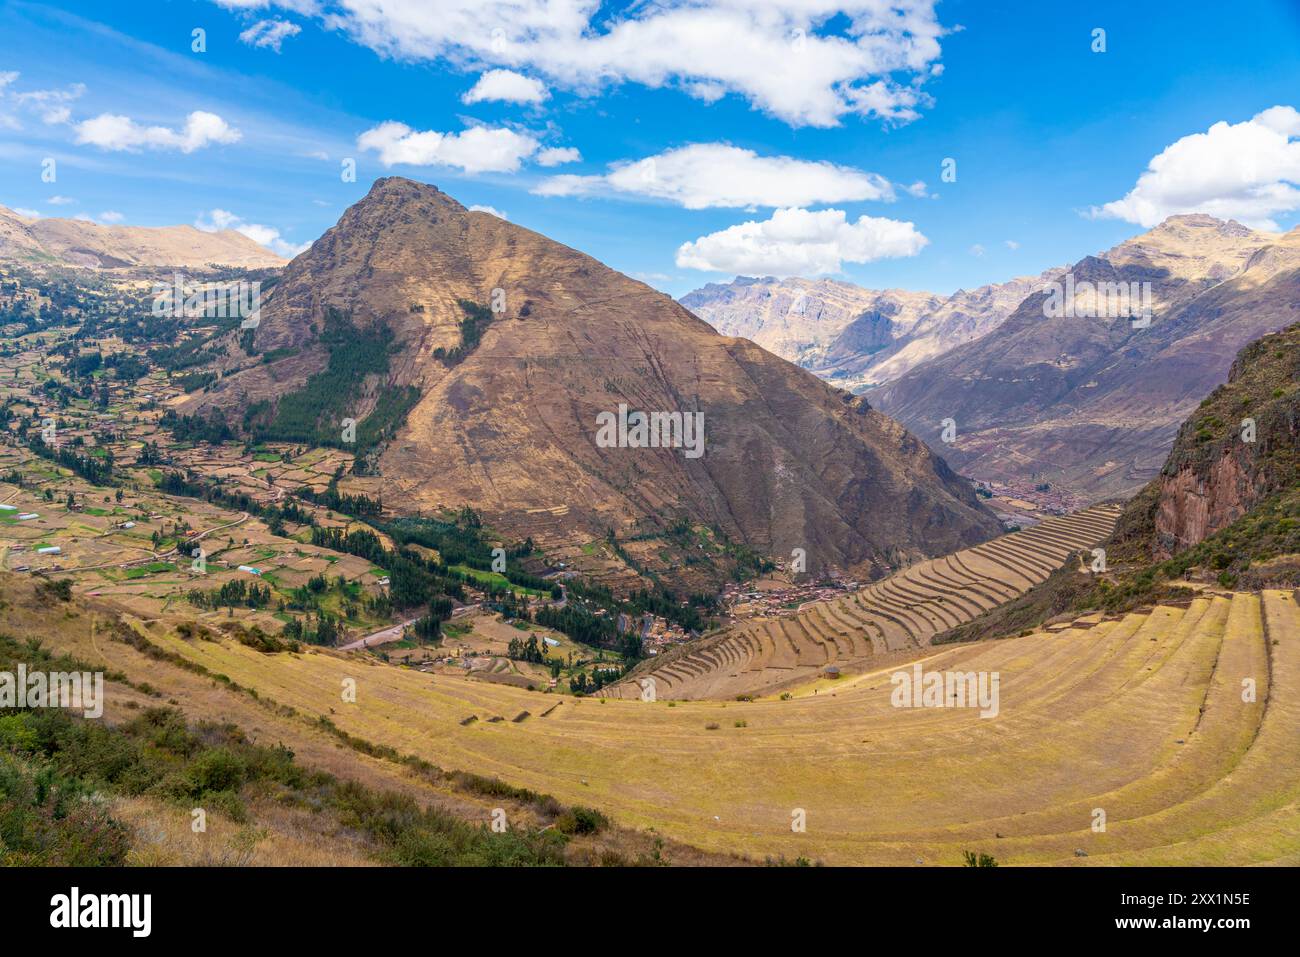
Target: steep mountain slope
(802, 319)
(507, 405)
(72, 242)
(1224, 510)
(1092, 403)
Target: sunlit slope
(1141, 717)
(900, 613)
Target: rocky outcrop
(1238, 448)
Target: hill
(73, 242)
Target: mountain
(855, 337)
(1092, 403)
(1223, 512)
(501, 408)
(945, 323)
(801, 319)
(74, 242)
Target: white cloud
(705, 175)
(800, 242)
(477, 208)
(779, 55)
(1012, 245)
(270, 34)
(51, 105)
(111, 216)
(268, 236)
(112, 132)
(60, 200)
(476, 150)
(1247, 171)
(27, 213)
(558, 156)
(977, 250)
(506, 86)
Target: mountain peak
(1182, 222)
(402, 189)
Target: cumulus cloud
(218, 219)
(705, 175)
(27, 213)
(111, 216)
(60, 200)
(479, 149)
(800, 242)
(1247, 171)
(109, 131)
(807, 62)
(558, 156)
(477, 208)
(270, 34)
(506, 86)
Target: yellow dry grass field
(1118, 741)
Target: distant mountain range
(853, 337)
(78, 243)
(1092, 402)
(510, 347)
(1077, 397)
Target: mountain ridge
(78, 243)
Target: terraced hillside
(897, 614)
(1140, 716)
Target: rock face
(854, 337)
(512, 429)
(1087, 401)
(71, 242)
(1241, 445)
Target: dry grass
(1141, 717)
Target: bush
(581, 820)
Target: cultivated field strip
(1143, 717)
(900, 613)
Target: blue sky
(1045, 132)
